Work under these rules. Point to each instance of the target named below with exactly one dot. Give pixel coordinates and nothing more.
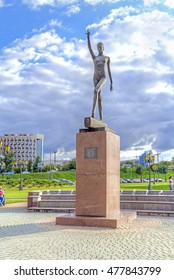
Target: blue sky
(46, 71)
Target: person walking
(170, 183)
(2, 197)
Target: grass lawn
(13, 194)
(144, 186)
(44, 181)
(34, 181)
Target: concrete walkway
(33, 235)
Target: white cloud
(135, 151)
(5, 3)
(37, 3)
(151, 2)
(47, 80)
(169, 3)
(34, 4)
(161, 87)
(95, 2)
(113, 16)
(40, 82)
(73, 9)
(55, 22)
(2, 3)
(167, 155)
(137, 36)
(60, 155)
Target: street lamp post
(55, 152)
(50, 175)
(149, 159)
(20, 185)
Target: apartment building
(24, 146)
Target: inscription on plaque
(90, 153)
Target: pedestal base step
(51, 209)
(111, 222)
(90, 122)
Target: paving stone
(34, 235)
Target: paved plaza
(33, 235)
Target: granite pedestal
(97, 179)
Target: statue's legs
(100, 108)
(97, 95)
(94, 103)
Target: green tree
(130, 162)
(139, 171)
(72, 164)
(162, 169)
(8, 161)
(59, 167)
(172, 161)
(65, 167)
(35, 165)
(17, 169)
(123, 169)
(1, 164)
(48, 167)
(29, 165)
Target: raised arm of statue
(89, 44)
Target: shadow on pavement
(25, 229)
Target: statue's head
(100, 47)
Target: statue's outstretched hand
(88, 32)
